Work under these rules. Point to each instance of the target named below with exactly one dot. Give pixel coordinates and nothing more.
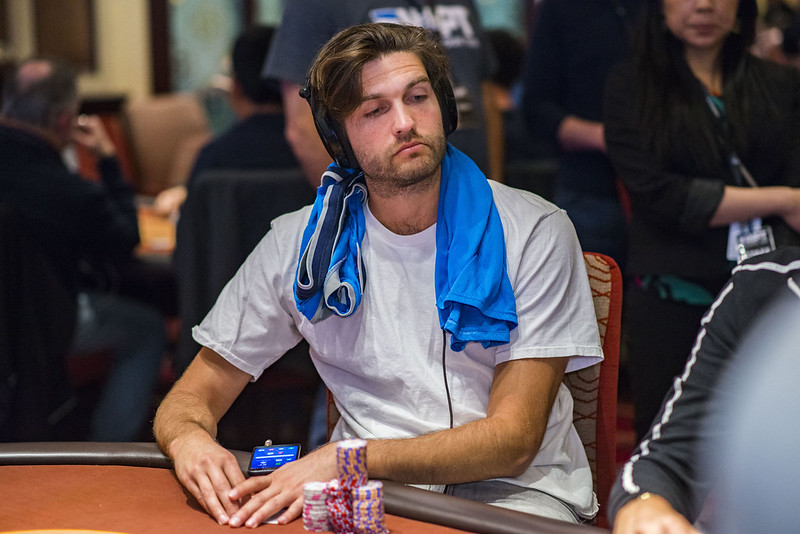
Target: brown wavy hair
(335, 74)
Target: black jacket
(673, 198)
(667, 462)
(70, 217)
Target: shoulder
(290, 225)
(778, 265)
(770, 69)
(524, 213)
(513, 201)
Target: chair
(166, 132)
(227, 212)
(37, 321)
(594, 389)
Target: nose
(704, 5)
(403, 120)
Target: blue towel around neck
(474, 297)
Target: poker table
(130, 488)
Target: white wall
(122, 45)
(123, 50)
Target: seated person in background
(442, 273)
(307, 24)
(256, 140)
(76, 221)
(662, 488)
(573, 46)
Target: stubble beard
(386, 179)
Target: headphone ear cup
(447, 102)
(330, 131)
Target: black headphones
(333, 134)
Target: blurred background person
(528, 163)
(706, 139)
(757, 405)
(572, 47)
(664, 486)
(255, 140)
(307, 24)
(80, 223)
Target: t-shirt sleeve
(251, 325)
(554, 301)
(306, 26)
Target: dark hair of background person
(336, 78)
(668, 95)
(247, 59)
(510, 53)
(39, 102)
(791, 38)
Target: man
(255, 140)
(80, 222)
(662, 488)
(442, 336)
(307, 24)
(572, 47)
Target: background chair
(594, 389)
(226, 214)
(165, 132)
(37, 322)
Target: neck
(244, 109)
(45, 134)
(408, 211)
(706, 65)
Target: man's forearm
(179, 415)
(503, 444)
(479, 450)
(199, 399)
(576, 134)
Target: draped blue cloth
(474, 297)
(330, 273)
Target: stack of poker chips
(368, 517)
(353, 504)
(315, 511)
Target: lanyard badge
(749, 239)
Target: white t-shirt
(383, 364)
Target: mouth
(703, 28)
(409, 148)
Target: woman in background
(680, 115)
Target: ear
(62, 125)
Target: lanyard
(738, 169)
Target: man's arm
(520, 401)
(501, 445)
(577, 134)
(186, 424)
(302, 134)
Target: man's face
(396, 132)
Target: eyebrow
(412, 83)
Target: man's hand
(208, 471)
(90, 133)
(272, 493)
(652, 515)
